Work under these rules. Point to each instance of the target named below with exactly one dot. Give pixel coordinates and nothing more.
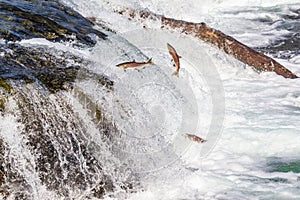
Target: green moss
(55, 79)
(98, 114)
(5, 85)
(51, 82)
(2, 104)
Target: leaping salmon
(175, 57)
(195, 138)
(133, 64)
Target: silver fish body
(133, 64)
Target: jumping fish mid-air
(134, 65)
(175, 57)
(195, 138)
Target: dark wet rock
(2, 176)
(11, 182)
(42, 18)
(64, 160)
(50, 68)
(102, 188)
(98, 115)
(101, 24)
(30, 65)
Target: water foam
(256, 105)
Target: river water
(110, 133)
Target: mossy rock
(52, 68)
(5, 85)
(2, 104)
(44, 19)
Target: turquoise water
(284, 166)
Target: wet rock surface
(64, 160)
(49, 67)
(2, 175)
(30, 65)
(32, 80)
(44, 19)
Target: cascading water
(74, 126)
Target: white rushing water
(250, 120)
(261, 110)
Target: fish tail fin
(175, 73)
(150, 61)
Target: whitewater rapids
(251, 120)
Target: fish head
(122, 66)
(190, 136)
